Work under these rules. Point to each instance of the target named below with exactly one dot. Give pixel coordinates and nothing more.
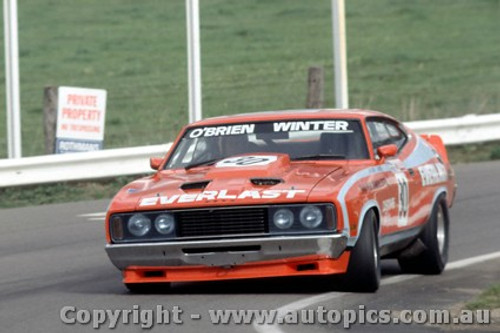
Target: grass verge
(477, 152)
(488, 299)
(61, 192)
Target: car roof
(291, 114)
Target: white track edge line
(305, 302)
(100, 214)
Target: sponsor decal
(347, 187)
(219, 195)
(388, 204)
(222, 130)
(373, 185)
(403, 199)
(335, 126)
(244, 161)
(313, 125)
(432, 174)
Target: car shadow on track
(282, 285)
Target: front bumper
(225, 252)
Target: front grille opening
(222, 222)
(266, 181)
(153, 274)
(195, 185)
(307, 267)
(248, 248)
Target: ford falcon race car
(288, 193)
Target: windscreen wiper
(319, 157)
(197, 164)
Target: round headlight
(283, 218)
(311, 217)
(165, 224)
(139, 225)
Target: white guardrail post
(133, 161)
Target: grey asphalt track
(52, 257)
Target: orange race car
(288, 193)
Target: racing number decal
(403, 199)
(244, 161)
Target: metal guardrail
(78, 166)
(130, 161)
(461, 130)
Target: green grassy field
(413, 59)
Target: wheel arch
(441, 191)
(367, 207)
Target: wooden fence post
(50, 118)
(315, 88)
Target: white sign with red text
(80, 119)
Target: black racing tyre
(363, 271)
(148, 288)
(435, 238)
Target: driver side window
(383, 132)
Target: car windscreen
(315, 139)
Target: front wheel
(363, 272)
(435, 238)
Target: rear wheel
(363, 271)
(435, 238)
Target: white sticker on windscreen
(246, 161)
(338, 126)
(222, 130)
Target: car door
(395, 201)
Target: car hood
(279, 181)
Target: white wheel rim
(440, 231)
(375, 249)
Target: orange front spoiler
(308, 265)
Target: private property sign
(80, 119)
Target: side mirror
(155, 162)
(387, 151)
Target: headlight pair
(310, 217)
(140, 225)
(302, 218)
